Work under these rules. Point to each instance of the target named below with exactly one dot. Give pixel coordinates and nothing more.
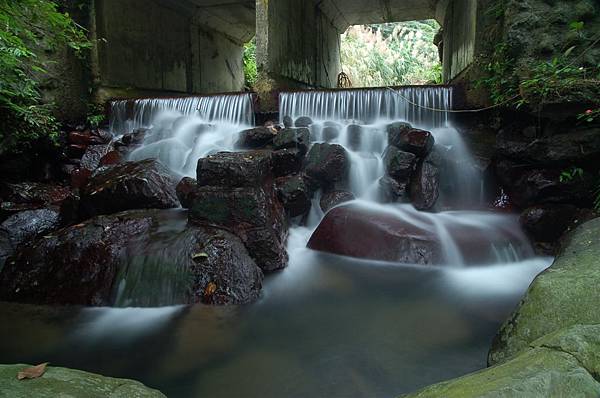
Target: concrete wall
(155, 46)
(460, 33)
(297, 43)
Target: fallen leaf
(33, 372)
(210, 289)
(198, 256)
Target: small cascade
(358, 120)
(182, 130)
(422, 106)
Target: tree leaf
(33, 372)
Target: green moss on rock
(69, 383)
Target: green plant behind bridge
(28, 28)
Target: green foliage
(250, 69)
(391, 54)
(589, 116)
(28, 29)
(95, 115)
(571, 174)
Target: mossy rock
(565, 294)
(69, 383)
(562, 364)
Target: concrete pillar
(297, 47)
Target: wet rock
(354, 231)
(528, 186)
(136, 137)
(253, 213)
(288, 122)
(399, 165)
(93, 155)
(75, 150)
(185, 191)
(234, 169)
(256, 138)
(303, 121)
(294, 193)
(330, 133)
(30, 196)
(406, 138)
(286, 162)
(75, 265)
(112, 157)
(101, 136)
(393, 191)
(298, 138)
(327, 164)
(79, 265)
(24, 226)
(335, 198)
(355, 136)
(145, 184)
(80, 177)
(425, 183)
(79, 138)
(581, 145)
(547, 223)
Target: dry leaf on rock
(33, 372)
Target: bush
(30, 27)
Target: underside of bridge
(149, 47)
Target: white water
(183, 130)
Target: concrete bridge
(158, 47)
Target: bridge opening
(392, 54)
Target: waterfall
(182, 130)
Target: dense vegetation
(391, 54)
(250, 69)
(30, 28)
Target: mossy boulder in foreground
(68, 383)
(561, 364)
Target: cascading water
(358, 120)
(182, 130)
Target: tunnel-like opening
(392, 54)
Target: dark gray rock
(256, 138)
(234, 169)
(327, 164)
(399, 165)
(332, 199)
(295, 194)
(298, 138)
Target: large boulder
(25, 226)
(392, 191)
(295, 194)
(547, 223)
(145, 184)
(115, 259)
(327, 164)
(255, 138)
(63, 382)
(303, 121)
(15, 198)
(562, 364)
(425, 183)
(234, 169)
(565, 294)
(287, 161)
(298, 138)
(407, 236)
(408, 139)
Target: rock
(528, 186)
(286, 162)
(73, 266)
(253, 213)
(425, 184)
(351, 230)
(579, 146)
(63, 382)
(547, 223)
(399, 165)
(80, 264)
(112, 157)
(80, 177)
(355, 135)
(75, 150)
(392, 191)
(330, 133)
(93, 155)
(30, 196)
(559, 365)
(185, 191)
(234, 169)
(25, 226)
(565, 294)
(134, 138)
(408, 139)
(288, 122)
(101, 136)
(255, 138)
(332, 199)
(293, 139)
(303, 121)
(79, 138)
(295, 194)
(327, 164)
(145, 184)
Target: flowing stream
(326, 326)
